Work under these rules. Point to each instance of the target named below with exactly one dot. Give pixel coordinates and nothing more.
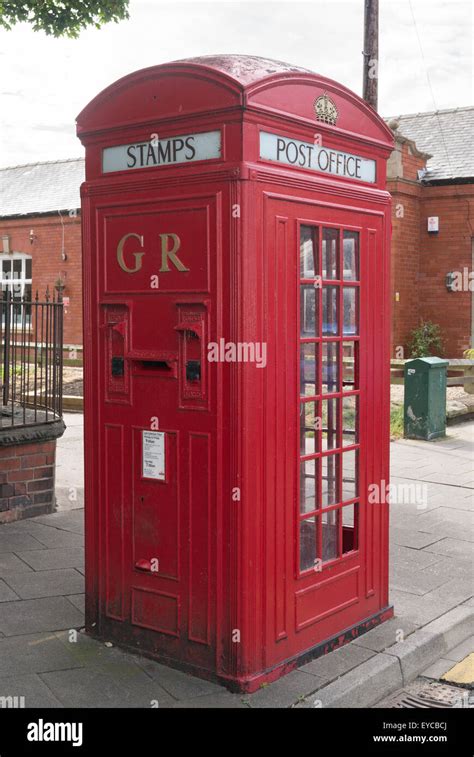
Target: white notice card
(153, 455)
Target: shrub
(425, 340)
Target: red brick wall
(27, 480)
(47, 264)
(420, 261)
(405, 262)
(448, 250)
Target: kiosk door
(332, 545)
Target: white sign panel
(153, 455)
(186, 148)
(293, 152)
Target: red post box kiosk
(236, 282)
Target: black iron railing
(31, 353)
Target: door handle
(144, 565)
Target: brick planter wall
(27, 471)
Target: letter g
(137, 255)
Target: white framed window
(16, 277)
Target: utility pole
(371, 52)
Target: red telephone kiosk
(236, 297)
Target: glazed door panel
(323, 566)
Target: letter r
(170, 253)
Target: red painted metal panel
(228, 531)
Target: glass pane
(330, 354)
(308, 367)
(6, 268)
(330, 310)
(330, 534)
(308, 252)
(330, 253)
(349, 528)
(309, 424)
(349, 366)
(28, 268)
(350, 310)
(308, 314)
(307, 543)
(349, 475)
(308, 471)
(330, 423)
(349, 421)
(329, 465)
(17, 268)
(351, 255)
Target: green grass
(396, 422)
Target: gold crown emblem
(325, 109)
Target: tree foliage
(62, 18)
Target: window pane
(308, 252)
(330, 423)
(330, 253)
(309, 469)
(308, 427)
(349, 420)
(17, 268)
(28, 268)
(308, 314)
(349, 475)
(349, 366)
(349, 528)
(6, 269)
(330, 354)
(308, 368)
(330, 534)
(330, 310)
(350, 311)
(307, 543)
(351, 255)
(329, 480)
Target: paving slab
(70, 520)
(78, 600)
(11, 563)
(6, 592)
(17, 542)
(88, 687)
(437, 669)
(50, 536)
(26, 691)
(45, 583)
(35, 653)
(462, 650)
(178, 684)
(361, 687)
(418, 582)
(329, 667)
(386, 634)
(34, 615)
(294, 687)
(451, 547)
(53, 559)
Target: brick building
(431, 174)
(40, 234)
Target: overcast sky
(45, 82)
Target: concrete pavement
(41, 603)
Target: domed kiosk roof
(219, 83)
(246, 69)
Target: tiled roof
(447, 135)
(41, 187)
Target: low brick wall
(27, 471)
